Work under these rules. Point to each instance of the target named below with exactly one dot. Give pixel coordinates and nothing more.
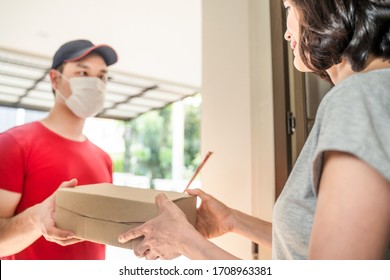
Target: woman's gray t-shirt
(354, 117)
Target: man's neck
(64, 123)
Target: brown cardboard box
(101, 212)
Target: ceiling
(25, 83)
(158, 43)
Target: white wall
(237, 114)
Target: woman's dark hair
(336, 29)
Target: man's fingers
(59, 234)
(69, 184)
(68, 242)
(62, 237)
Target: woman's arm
(255, 229)
(214, 219)
(170, 234)
(352, 219)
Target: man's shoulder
(16, 139)
(22, 131)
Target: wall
(237, 115)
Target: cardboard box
(101, 212)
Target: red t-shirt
(34, 161)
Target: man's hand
(44, 220)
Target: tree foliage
(148, 141)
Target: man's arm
(19, 231)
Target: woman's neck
(343, 70)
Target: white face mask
(88, 95)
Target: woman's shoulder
(369, 88)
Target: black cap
(77, 49)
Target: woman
(336, 202)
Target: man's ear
(54, 77)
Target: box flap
(118, 203)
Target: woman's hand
(213, 217)
(162, 234)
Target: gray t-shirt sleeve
(356, 120)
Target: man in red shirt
(38, 157)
